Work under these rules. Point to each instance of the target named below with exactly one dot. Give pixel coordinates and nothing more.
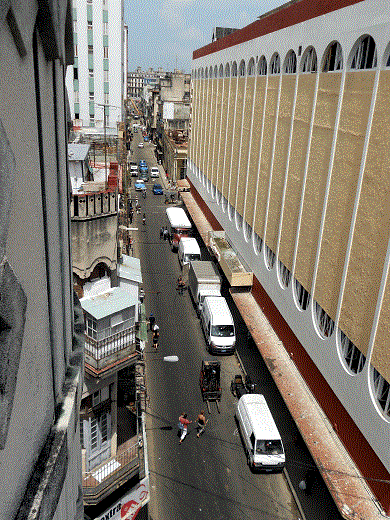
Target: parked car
(157, 189)
(134, 170)
(139, 185)
(144, 176)
(154, 172)
(142, 162)
(140, 145)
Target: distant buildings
(99, 70)
(139, 79)
(42, 330)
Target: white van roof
(189, 245)
(260, 417)
(219, 309)
(177, 218)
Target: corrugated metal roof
(107, 303)
(77, 152)
(130, 268)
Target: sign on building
(168, 110)
(129, 505)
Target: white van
(218, 325)
(188, 250)
(263, 444)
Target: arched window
(247, 231)
(364, 54)
(269, 257)
(221, 71)
(251, 67)
(303, 297)
(353, 358)
(275, 64)
(333, 57)
(262, 67)
(211, 72)
(216, 71)
(285, 275)
(202, 72)
(206, 73)
(234, 69)
(290, 63)
(324, 321)
(309, 60)
(227, 70)
(242, 68)
(257, 243)
(382, 391)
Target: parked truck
(203, 280)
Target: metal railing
(100, 349)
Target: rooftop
(77, 151)
(107, 303)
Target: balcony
(102, 354)
(112, 473)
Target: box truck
(203, 280)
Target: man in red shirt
(183, 425)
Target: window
(234, 70)
(221, 71)
(251, 67)
(285, 275)
(75, 26)
(242, 68)
(75, 73)
(302, 295)
(91, 96)
(77, 115)
(100, 395)
(324, 322)
(333, 58)
(90, 49)
(290, 63)
(105, 27)
(76, 96)
(354, 359)
(89, 25)
(82, 432)
(365, 54)
(275, 64)
(262, 67)
(99, 432)
(269, 257)
(90, 72)
(90, 323)
(258, 243)
(227, 70)
(106, 100)
(309, 60)
(105, 52)
(381, 389)
(215, 73)
(75, 50)
(105, 75)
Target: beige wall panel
(195, 121)
(224, 108)
(201, 121)
(211, 129)
(280, 159)
(204, 122)
(371, 234)
(236, 140)
(217, 129)
(207, 125)
(241, 194)
(229, 137)
(296, 170)
(347, 161)
(321, 144)
(255, 148)
(266, 152)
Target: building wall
(41, 354)
(94, 89)
(301, 187)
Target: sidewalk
(352, 496)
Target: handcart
(209, 382)
(239, 387)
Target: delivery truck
(203, 280)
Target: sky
(164, 33)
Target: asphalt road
(206, 478)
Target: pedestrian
(180, 285)
(201, 422)
(166, 233)
(183, 425)
(156, 335)
(144, 219)
(144, 194)
(172, 198)
(152, 321)
(161, 233)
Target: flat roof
(130, 268)
(107, 303)
(284, 16)
(260, 416)
(77, 151)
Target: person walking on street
(183, 425)
(180, 285)
(156, 335)
(161, 233)
(144, 219)
(201, 422)
(152, 321)
(166, 233)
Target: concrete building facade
(41, 343)
(289, 152)
(98, 73)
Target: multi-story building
(289, 153)
(139, 79)
(41, 345)
(98, 73)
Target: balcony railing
(100, 353)
(99, 482)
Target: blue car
(139, 186)
(157, 189)
(142, 162)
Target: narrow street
(207, 477)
